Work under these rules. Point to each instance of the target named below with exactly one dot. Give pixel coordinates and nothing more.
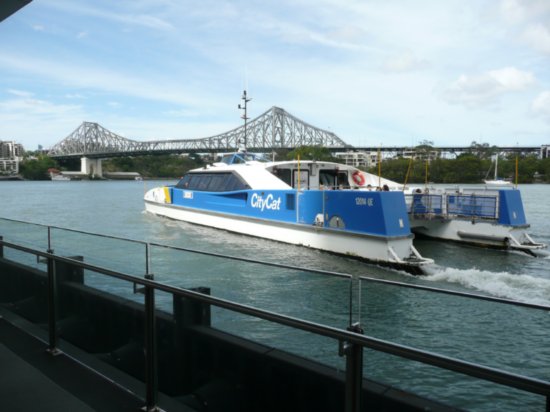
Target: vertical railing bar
(1, 247)
(147, 257)
(52, 301)
(49, 240)
(151, 379)
(359, 300)
(350, 301)
(354, 372)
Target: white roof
(254, 174)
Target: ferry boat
(321, 205)
(488, 217)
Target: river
(511, 338)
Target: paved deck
(32, 379)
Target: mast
(496, 167)
(244, 116)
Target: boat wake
(524, 288)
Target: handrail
(311, 270)
(509, 379)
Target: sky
(375, 73)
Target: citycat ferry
(321, 205)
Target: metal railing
(352, 341)
(450, 204)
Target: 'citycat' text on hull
(320, 205)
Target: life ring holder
(358, 178)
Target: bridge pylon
(91, 167)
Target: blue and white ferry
(321, 205)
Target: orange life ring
(358, 178)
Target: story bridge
(274, 129)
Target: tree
(544, 169)
(483, 150)
(173, 166)
(311, 153)
(37, 169)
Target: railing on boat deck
(453, 205)
(352, 343)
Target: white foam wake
(525, 288)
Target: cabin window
(327, 178)
(333, 179)
(194, 181)
(342, 180)
(204, 181)
(212, 182)
(284, 175)
(217, 183)
(184, 182)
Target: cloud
(138, 19)
(487, 87)
(25, 104)
(43, 119)
(512, 79)
(518, 11)
(20, 93)
(538, 37)
(74, 96)
(405, 62)
(541, 105)
(98, 78)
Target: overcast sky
(379, 73)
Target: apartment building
(11, 154)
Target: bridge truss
(274, 129)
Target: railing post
(354, 372)
(52, 301)
(150, 343)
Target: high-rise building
(11, 154)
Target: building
(545, 151)
(11, 154)
(416, 154)
(361, 159)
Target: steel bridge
(274, 129)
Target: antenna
(243, 107)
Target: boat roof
(253, 173)
(258, 175)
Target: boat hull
(490, 219)
(396, 252)
(478, 233)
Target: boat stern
(404, 256)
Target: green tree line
(171, 166)
(466, 168)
